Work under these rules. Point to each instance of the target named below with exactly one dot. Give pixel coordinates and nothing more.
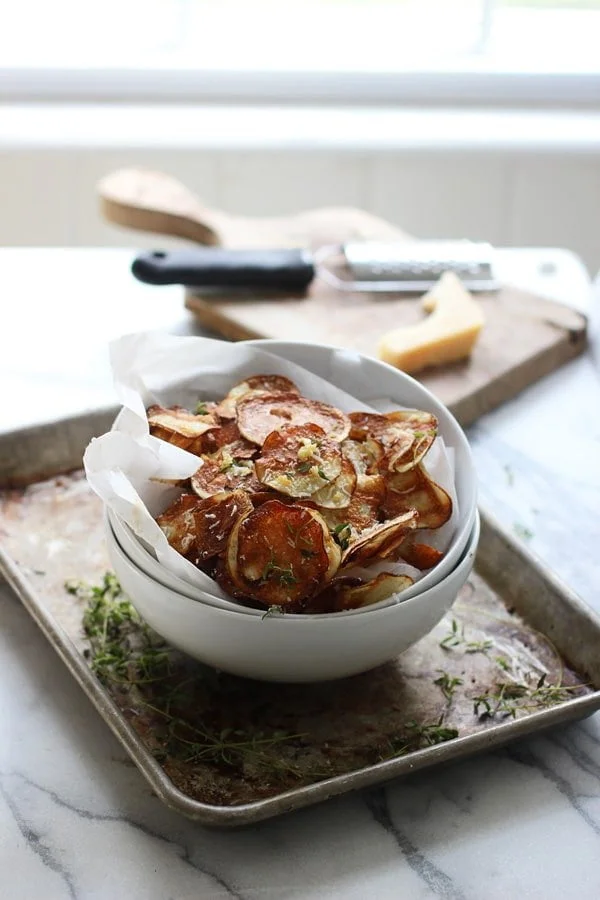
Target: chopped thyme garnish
(284, 575)
(304, 467)
(522, 531)
(322, 475)
(342, 534)
(478, 646)
(275, 610)
(201, 409)
(437, 733)
(456, 638)
(447, 684)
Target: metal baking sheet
(513, 622)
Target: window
(426, 50)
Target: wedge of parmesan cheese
(447, 334)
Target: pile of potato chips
(290, 494)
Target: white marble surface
(76, 818)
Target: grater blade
(411, 267)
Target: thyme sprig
(342, 534)
(456, 638)
(124, 651)
(283, 574)
(433, 733)
(510, 697)
(107, 613)
(421, 735)
(447, 684)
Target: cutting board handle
(152, 201)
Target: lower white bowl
(288, 648)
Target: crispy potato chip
(421, 556)
(337, 494)
(259, 415)
(406, 435)
(298, 460)
(415, 490)
(198, 529)
(281, 554)
(365, 455)
(362, 512)
(382, 587)
(228, 435)
(176, 425)
(222, 472)
(222, 578)
(177, 523)
(380, 541)
(256, 384)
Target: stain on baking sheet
(225, 740)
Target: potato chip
(281, 554)
(222, 472)
(421, 556)
(361, 513)
(415, 490)
(380, 541)
(298, 460)
(381, 588)
(178, 523)
(178, 426)
(406, 435)
(365, 455)
(228, 435)
(198, 529)
(223, 579)
(256, 384)
(259, 415)
(338, 493)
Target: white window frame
(466, 85)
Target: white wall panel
(438, 195)
(47, 195)
(272, 182)
(556, 202)
(36, 202)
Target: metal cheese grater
(369, 266)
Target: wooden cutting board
(525, 337)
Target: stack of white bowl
(298, 647)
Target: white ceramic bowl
(288, 648)
(339, 367)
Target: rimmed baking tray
(518, 653)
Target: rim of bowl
(469, 550)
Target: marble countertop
(77, 820)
